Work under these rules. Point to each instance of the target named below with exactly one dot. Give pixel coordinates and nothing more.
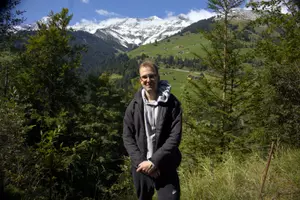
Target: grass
(235, 179)
(184, 46)
(178, 46)
(177, 78)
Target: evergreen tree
(9, 18)
(48, 75)
(72, 148)
(101, 149)
(217, 105)
(278, 49)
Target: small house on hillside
(194, 77)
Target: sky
(98, 10)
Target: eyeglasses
(150, 76)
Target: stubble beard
(150, 91)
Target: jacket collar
(138, 97)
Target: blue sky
(103, 9)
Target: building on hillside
(194, 77)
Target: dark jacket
(168, 133)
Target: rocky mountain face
(128, 33)
(124, 34)
(105, 38)
(131, 32)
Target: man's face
(148, 79)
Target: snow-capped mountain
(130, 32)
(136, 31)
(33, 26)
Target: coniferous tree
(48, 75)
(278, 50)
(72, 147)
(217, 105)
(9, 18)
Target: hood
(164, 89)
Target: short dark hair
(149, 63)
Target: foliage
(11, 138)
(61, 130)
(262, 108)
(217, 106)
(7, 73)
(48, 76)
(240, 178)
(278, 48)
(9, 17)
(123, 189)
(123, 65)
(72, 148)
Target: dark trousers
(166, 185)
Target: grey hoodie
(151, 110)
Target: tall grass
(236, 178)
(241, 178)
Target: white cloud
(85, 1)
(86, 21)
(106, 13)
(196, 15)
(169, 13)
(193, 15)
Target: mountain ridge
(125, 34)
(131, 32)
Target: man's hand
(146, 167)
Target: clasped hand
(148, 168)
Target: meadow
(178, 78)
(184, 46)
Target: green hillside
(177, 78)
(190, 41)
(184, 46)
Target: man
(151, 136)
